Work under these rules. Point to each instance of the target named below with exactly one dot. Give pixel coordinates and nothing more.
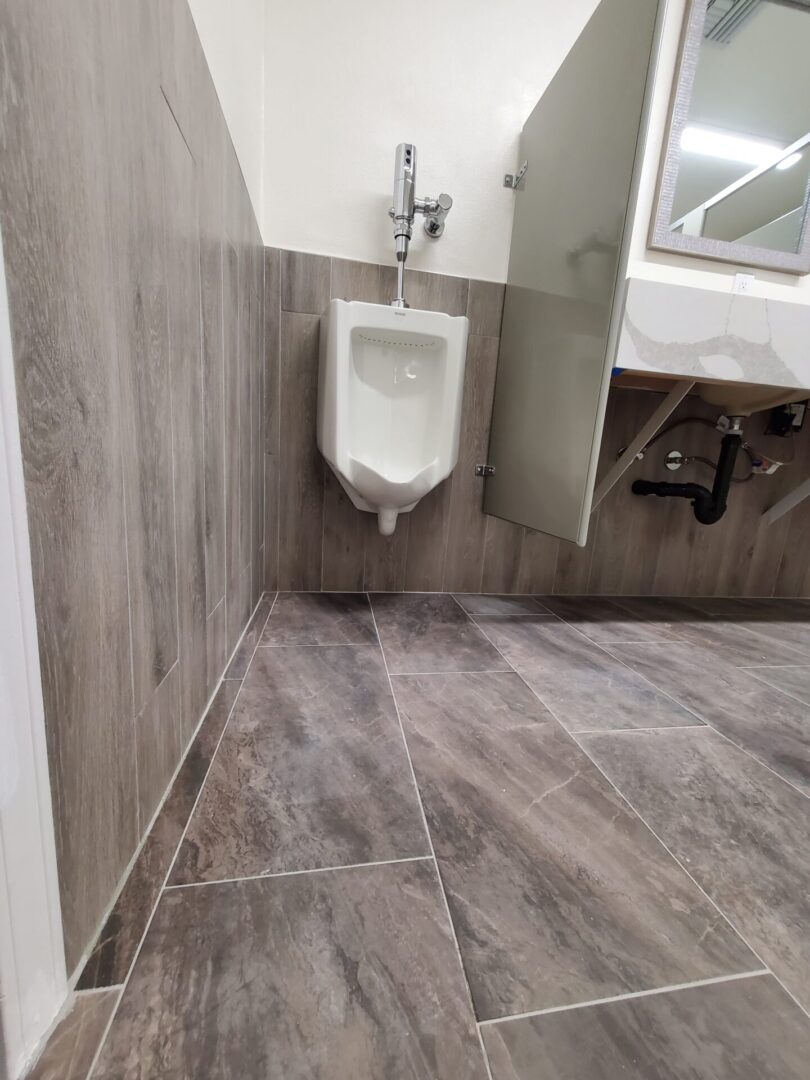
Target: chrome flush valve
(406, 205)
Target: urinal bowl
(389, 402)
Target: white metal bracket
(651, 428)
(512, 181)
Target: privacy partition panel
(572, 211)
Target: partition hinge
(484, 470)
(512, 180)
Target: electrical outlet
(742, 283)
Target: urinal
(389, 402)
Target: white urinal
(389, 402)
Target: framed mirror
(734, 182)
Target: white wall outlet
(742, 283)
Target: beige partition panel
(581, 143)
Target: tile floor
(452, 838)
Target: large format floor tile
(743, 1030)
(558, 892)
(742, 832)
(602, 620)
(771, 725)
(320, 619)
(790, 680)
(584, 687)
(112, 956)
(311, 771)
(423, 632)
(342, 974)
(72, 1046)
(785, 621)
(729, 640)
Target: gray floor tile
(320, 619)
(241, 658)
(744, 1030)
(423, 632)
(69, 1052)
(311, 771)
(739, 829)
(730, 640)
(500, 604)
(602, 620)
(585, 688)
(770, 725)
(790, 680)
(558, 892)
(343, 974)
(783, 620)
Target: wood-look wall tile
(257, 434)
(485, 308)
(385, 556)
(243, 534)
(301, 465)
(359, 281)
(216, 635)
(436, 292)
(271, 470)
(272, 344)
(464, 557)
(210, 180)
(127, 38)
(52, 200)
(503, 543)
(159, 743)
(188, 422)
(233, 461)
(343, 538)
(428, 530)
(538, 562)
(305, 282)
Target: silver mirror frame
(661, 238)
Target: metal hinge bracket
(512, 180)
(484, 470)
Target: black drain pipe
(709, 506)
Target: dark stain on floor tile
(342, 974)
(424, 632)
(71, 1048)
(500, 604)
(320, 619)
(585, 687)
(740, 830)
(743, 1030)
(253, 632)
(115, 949)
(312, 771)
(558, 892)
(602, 620)
(771, 725)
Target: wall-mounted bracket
(484, 470)
(651, 428)
(511, 180)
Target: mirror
(735, 173)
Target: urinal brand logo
(400, 313)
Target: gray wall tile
(304, 282)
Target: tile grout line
(703, 721)
(643, 730)
(125, 984)
(293, 873)
(649, 827)
(432, 856)
(631, 996)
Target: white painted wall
(684, 269)
(345, 82)
(32, 960)
(232, 36)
